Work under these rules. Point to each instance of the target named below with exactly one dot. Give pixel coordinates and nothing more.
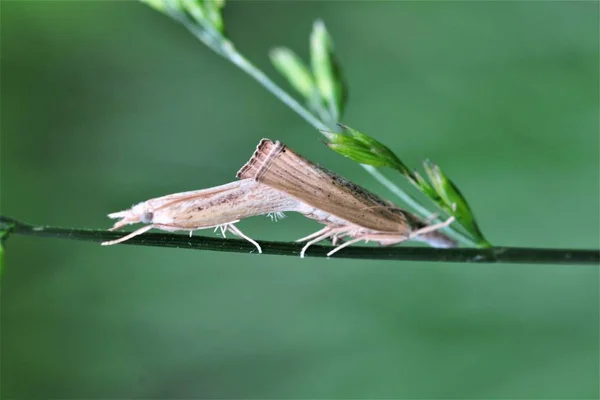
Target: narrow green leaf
(379, 150)
(341, 86)
(436, 182)
(327, 71)
(339, 138)
(359, 154)
(454, 201)
(294, 70)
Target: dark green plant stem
(489, 255)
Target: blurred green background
(105, 104)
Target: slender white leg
(334, 239)
(325, 233)
(224, 230)
(127, 237)
(314, 235)
(232, 228)
(315, 240)
(341, 246)
(339, 236)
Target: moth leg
(276, 216)
(232, 228)
(119, 225)
(224, 230)
(431, 228)
(129, 236)
(334, 239)
(314, 235)
(390, 240)
(338, 238)
(383, 239)
(324, 234)
(220, 227)
(279, 215)
(317, 239)
(348, 243)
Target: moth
(351, 211)
(277, 180)
(219, 207)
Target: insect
(347, 210)
(278, 180)
(220, 207)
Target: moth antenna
(431, 235)
(431, 228)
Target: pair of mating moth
(277, 180)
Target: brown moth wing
(210, 207)
(277, 166)
(226, 204)
(164, 202)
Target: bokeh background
(105, 104)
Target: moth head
(136, 214)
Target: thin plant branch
(225, 48)
(459, 255)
